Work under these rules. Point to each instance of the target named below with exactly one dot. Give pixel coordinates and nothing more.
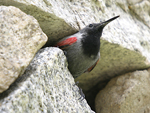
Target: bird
(82, 49)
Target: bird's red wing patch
(65, 43)
(92, 67)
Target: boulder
(128, 93)
(127, 32)
(125, 45)
(46, 87)
(20, 38)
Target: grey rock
(126, 31)
(139, 9)
(133, 2)
(125, 42)
(53, 25)
(128, 93)
(46, 87)
(20, 38)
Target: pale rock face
(46, 87)
(127, 93)
(125, 44)
(139, 9)
(20, 38)
(126, 31)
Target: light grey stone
(125, 42)
(46, 87)
(133, 2)
(139, 9)
(54, 26)
(129, 47)
(128, 93)
(20, 38)
(125, 31)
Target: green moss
(115, 60)
(54, 27)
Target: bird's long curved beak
(103, 24)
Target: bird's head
(91, 36)
(96, 28)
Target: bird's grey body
(83, 48)
(78, 63)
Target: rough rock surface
(46, 87)
(20, 38)
(125, 44)
(139, 9)
(127, 93)
(126, 31)
(129, 32)
(54, 26)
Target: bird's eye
(91, 25)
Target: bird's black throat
(91, 44)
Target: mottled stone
(129, 47)
(20, 38)
(133, 2)
(53, 25)
(125, 44)
(46, 87)
(125, 31)
(139, 9)
(127, 93)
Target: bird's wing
(67, 42)
(92, 67)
